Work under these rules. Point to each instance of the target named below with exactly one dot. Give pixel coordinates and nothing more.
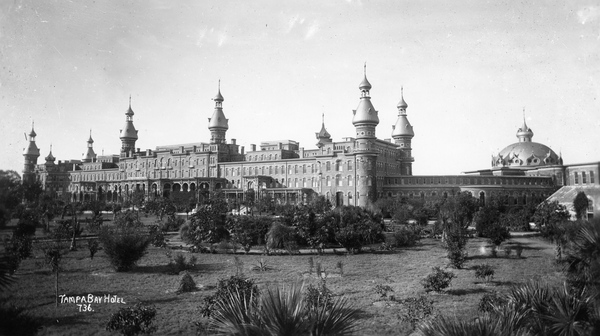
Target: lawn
(150, 282)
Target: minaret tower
(128, 134)
(90, 156)
(365, 122)
(323, 136)
(402, 134)
(30, 154)
(218, 124)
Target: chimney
(279, 145)
(242, 150)
(233, 141)
(253, 148)
(301, 152)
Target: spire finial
(219, 84)
(323, 118)
(50, 147)
(129, 100)
(365, 69)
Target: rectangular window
(575, 178)
(592, 177)
(583, 178)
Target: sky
(471, 71)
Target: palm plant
(282, 311)
(583, 258)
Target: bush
(133, 320)
(225, 289)
(416, 309)
(124, 247)
(406, 237)
(455, 245)
(17, 321)
(186, 284)
(93, 247)
(318, 296)
(438, 280)
(490, 301)
(497, 234)
(383, 291)
(279, 235)
(179, 263)
(157, 236)
(484, 271)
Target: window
(583, 178)
(349, 180)
(328, 181)
(339, 181)
(575, 178)
(338, 166)
(592, 177)
(328, 166)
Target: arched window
(328, 166)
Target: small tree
(126, 243)
(438, 280)
(580, 204)
(53, 250)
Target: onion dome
(365, 85)
(524, 133)
(218, 120)
(50, 158)
(402, 104)
(402, 128)
(32, 148)
(128, 131)
(365, 113)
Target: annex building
(354, 171)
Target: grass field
(402, 269)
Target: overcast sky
(468, 68)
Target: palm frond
(283, 311)
(338, 319)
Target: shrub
(279, 235)
(438, 280)
(406, 237)
(484, 271)
(416, 309)
(93, 247)
(124, 247)
(497, 234)
(179, 263)
(261, 266)
(186, 284)
(455, 245)
(491, 301)
(383, 291)
(318, 296)
(157, 236)
(133, 320)
(235, 284)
